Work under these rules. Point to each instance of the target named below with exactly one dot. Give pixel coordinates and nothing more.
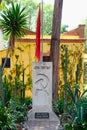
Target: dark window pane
(7, 65)
(46, 58)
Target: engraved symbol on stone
(41, 83)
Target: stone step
(42, 125)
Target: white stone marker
(42, 92)
(42, 86)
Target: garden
(71, 105)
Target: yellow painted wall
(26, 52)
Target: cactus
(65, 78)
(1, 87)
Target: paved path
(42, 125)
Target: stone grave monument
(42, 116)
(42, 93)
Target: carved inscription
(42, 115)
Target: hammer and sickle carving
(41, 83)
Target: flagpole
(41, 56)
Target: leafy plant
(7, 120)
(76, 99)
(13, 21)
(68, 126)
(28, 102)
(58, 106)
(80, 125)
(19, 111)
(6, 91)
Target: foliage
(31, 10)
(2, 5)
(64, 28)
(7, 1)
(14, 85)
(16, 110)
(76, 113)
(6, 91)
(76, 99)
(29, 81)
(47, 19)
(19, 111)
(11, 18)
(71, 94)
(58, 106)
(68, 126)
(79, 125)
(13, 22)
(28, 102)
(12, 115)
(7, 120)
(71, 63)
(84, 21)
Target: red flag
(37, 54)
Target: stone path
(42, 125)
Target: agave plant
(76, 98)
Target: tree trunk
(55, 45)
(0, 1)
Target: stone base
(42, 125)
(52, 116)
(51, 123)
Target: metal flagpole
(41, 58)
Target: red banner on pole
(37, 53)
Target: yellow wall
(26, 52)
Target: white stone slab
(42, 86)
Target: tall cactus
(77, 73)
(23, 88)
(15, 93)
(1, 87)
(65, 71)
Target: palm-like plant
(13, 21)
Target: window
(46, 58)
(7, 65)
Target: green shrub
(7, 120)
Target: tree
(47, 18)
(64, 28)
(7, 1)
(31, 6)
(13, 22)
(55, 44)
(47, 15)
(85, 22)
(0, 1)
